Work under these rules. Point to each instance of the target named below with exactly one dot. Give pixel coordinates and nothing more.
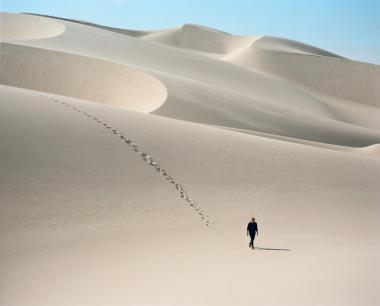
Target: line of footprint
(147, 159)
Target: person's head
(253, 219)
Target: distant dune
(131, 162)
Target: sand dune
(18, 27)
(281, 45)
(80, 77)
(373, 150)
(315, 68)
(199, 38)
(206, 90)
(112, 29)
(131, 162)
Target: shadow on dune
(270, 249)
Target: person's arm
(247, 230)
(257, 229)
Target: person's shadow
(271, 249)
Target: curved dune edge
(278, 44)
(340, 77)
(373, 150)
(199, 38)
(208, 40)
(204, 39)
(21, 27)
(80, 77)
(134, 33)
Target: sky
(350, 28)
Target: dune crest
(21, 27)
(313, 67)
(80, 77)
(373, 150)
(200, 38)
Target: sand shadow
(271, 249)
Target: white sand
(86, 218)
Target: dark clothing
(251, 245)
(252, 230)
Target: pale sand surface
(86, 218)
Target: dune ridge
(83, 77)
(333, 75)
(19, 27)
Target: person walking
(252, 230)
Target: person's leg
(252, 241)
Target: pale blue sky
(348, 27)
